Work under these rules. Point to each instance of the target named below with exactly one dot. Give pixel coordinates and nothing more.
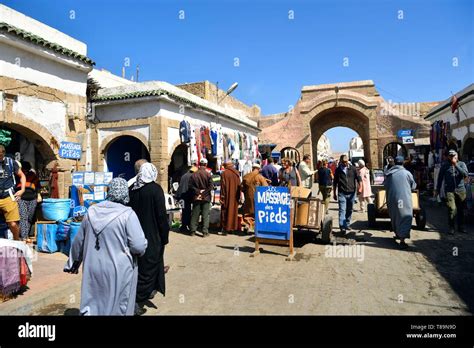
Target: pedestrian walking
(454, 173)
(201, 186)
(229, 198)
(270, 172)
(305, 172)
(147, 199)
(29, 199)
(289, 175)
(107, 245)
(325, 178)
(365, 192)
(345, 184)
(398, 184)
(9, 169)
(184, 193)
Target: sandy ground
(216, 275)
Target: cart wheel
(420, 219)
(326, 229)
(371, 214)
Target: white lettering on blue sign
(70, 150)
(272, 212)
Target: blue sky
(410, 59)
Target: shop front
(175, 129)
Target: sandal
(167, 268)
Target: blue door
(122, 155)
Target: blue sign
(404, 133)
(70, 150)
(272, 212)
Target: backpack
(10, 164)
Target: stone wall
(209, 91)
(45, 142)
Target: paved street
(215, 275)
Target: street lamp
(229, 91)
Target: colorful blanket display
(217, 142)
(16, 266)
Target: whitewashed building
(460, 123)
(142, 120)
(43, 82)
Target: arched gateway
(356, 105)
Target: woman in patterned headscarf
(147, 199)
(107, 244)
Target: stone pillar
(159, 149)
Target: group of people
(19, 195)
(196, 187)
(121, 244)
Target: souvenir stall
(16, 267)
(217, 143)
(441, 142)
(61, 218)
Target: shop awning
(421, 141)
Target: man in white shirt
(305, 172)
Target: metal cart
(310, 214)
(379, 209)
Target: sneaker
(222, 233)
(348, 228)
(205, 234)
(343, 231)
(192, 233)
(403, 245)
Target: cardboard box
(299, 192)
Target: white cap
(203, 161)
(255, 165)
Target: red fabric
(54, 184)
(23, 272)
(454, 104)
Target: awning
(422, 141)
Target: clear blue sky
(410, 59)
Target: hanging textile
(5, 137)
(185, 131)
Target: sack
(66, 246)
(62, 233)
(46, 237)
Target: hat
(361, 163)
(452, 153)
(399, 160)
(255, 165)
(203, 161)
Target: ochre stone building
(356, 105)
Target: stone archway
(109, 140)
(42, 139)
(341, 117)
(121, 153)
(345, 109)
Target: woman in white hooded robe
(107, 244)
